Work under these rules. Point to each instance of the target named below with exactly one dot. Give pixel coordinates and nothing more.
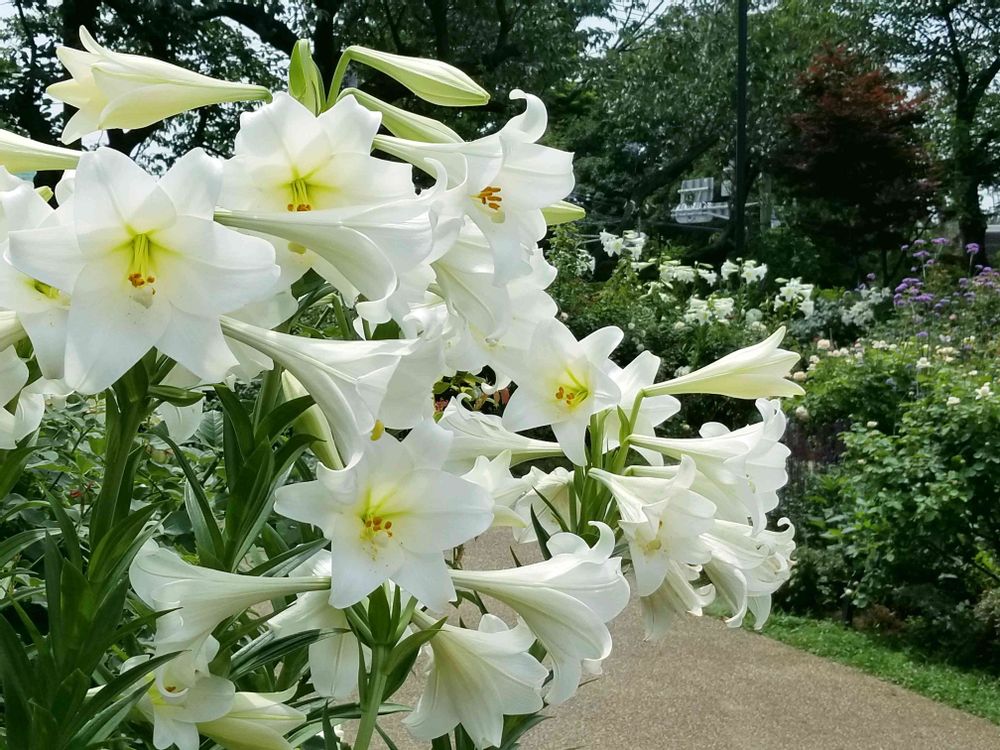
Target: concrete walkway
(707, 687)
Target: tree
(660, 104)
(852, 157)
(951, 48)
(502, 43)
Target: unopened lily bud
(431, 80)
(117, 90)
(562, 212)
(405, 124)
(20, 154)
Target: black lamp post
(739, 179)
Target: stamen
(140, 268)
(490, 197)
(300, 196)
(42, 288)
(573, 393)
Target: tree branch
(670, 171)
(269, 28)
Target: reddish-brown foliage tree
(851, 161)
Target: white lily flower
(465, 278)
(494, 476)
(116, 90)
(348, 380)
(748, 567)
(736, 498)
(562, 382)
(556, 489)
(43, 310)
(409, 397)
(750, 461)
(529, 305)
(390, 515)
(565, 601)
(678, 594)
(285, 158)
(360, 250)
(663, 521)
(653, 411)
(20, 154)
(145, 266)
(201, 599)
(333, 660)
(506, 179)
(175, 709)
(758, 371)
(476, 678)
(211, 706)
(476, 434)
(255, 721)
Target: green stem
(346, 332)
(373, 700)
(338, 78)
(123, 423)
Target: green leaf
(12, 465)
(281, 417)
(542, 534)
(266, 649)
(114, 553)
(207, 536)
(14, 545)
(176, 396)
(283, 564)
(237, 431)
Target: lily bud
(562, 212)
(116, 90)
(305, 82)
(758, 371)
(20, 154)
(432, 80)
(405, 124)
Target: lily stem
(373, 699)
(112, 504)
(338, 78)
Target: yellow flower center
(300, 196)
(490, 197)
(375, 526)
(378, 430)
(140, 269)
(573, 392)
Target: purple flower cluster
(911, 292)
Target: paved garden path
(708, 687)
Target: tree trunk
(965, 184)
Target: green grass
(975, 692)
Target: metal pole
(739, 206)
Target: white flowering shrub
(258, 353)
